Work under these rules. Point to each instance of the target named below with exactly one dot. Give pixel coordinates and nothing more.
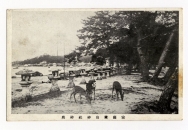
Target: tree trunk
(162, 58)
(166, 96)
(143, 60)
(144, 65)
(129, 68)
(170, 70)
(168, 74)
(140, 68)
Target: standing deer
(77, 89)
(80, 91)
(90, 88)
(118, 88)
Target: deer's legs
(88, 98)
(71, 95)
(80, 97)
(117, 95)
(91, 96)
(89, 101)
(74, 97)
(112, 92)
(94, 93)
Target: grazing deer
(77, 89)
(90, 88)
(118, 88)
(80, 91)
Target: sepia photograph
(94, 64)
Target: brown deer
(80, 91)
(118, 88)
(90, 88)
(77, 89)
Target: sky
(35, 33)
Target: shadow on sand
(32, 100)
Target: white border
(51, 117)
(8, 4)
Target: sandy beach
(138, 94)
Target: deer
(77, 90)
(90, 88)
(117, 87)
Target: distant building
(43, 63)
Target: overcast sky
(35, 33)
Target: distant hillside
(37, 60)
(82, 56)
